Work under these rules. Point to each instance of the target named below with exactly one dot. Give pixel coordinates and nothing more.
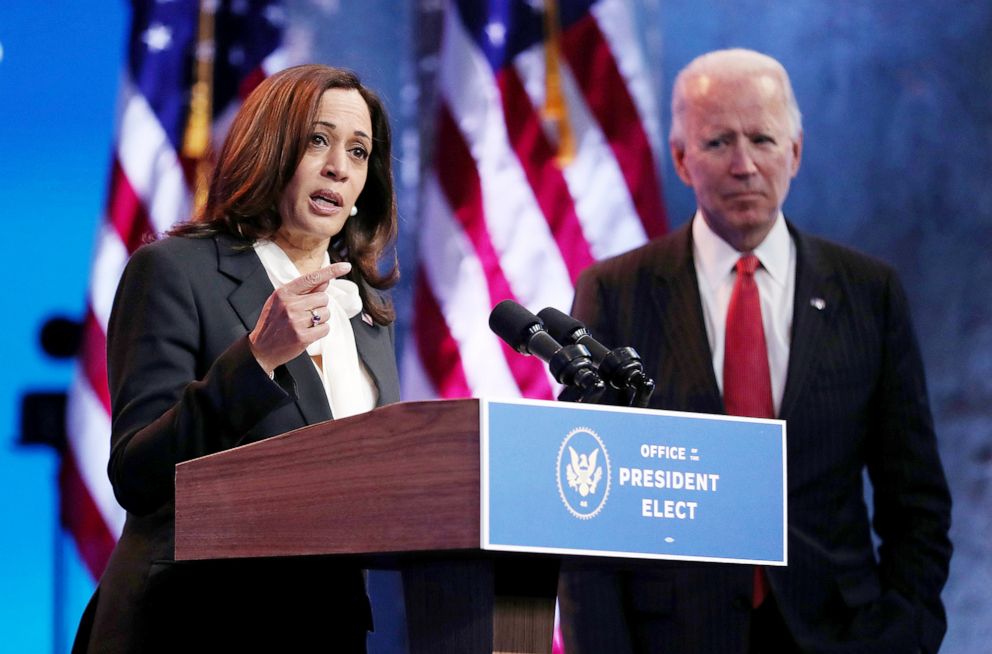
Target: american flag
(545, 159)
(226, 47)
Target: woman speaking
(261, 317)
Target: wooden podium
(396, 487)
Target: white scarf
(347, 384)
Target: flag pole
(555, 108)
(196, 137)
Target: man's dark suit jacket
(855, 399)
(182, 313)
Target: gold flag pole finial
(555, 108)
(196, 138)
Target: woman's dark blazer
(184, 384)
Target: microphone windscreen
(561, 326)
(513, 323)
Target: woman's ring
(314, 318)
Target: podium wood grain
(402, 478)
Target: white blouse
(347, 383)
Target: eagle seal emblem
(582, 464)
(583, 473)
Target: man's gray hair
(737, 62)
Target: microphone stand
(572, 366)
(623, 367)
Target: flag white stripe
(615, 21)
(89, 426)
(529, 255)
(108, 266)
(599, 191)
(459, 284)
(151, 165)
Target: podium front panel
(606, 481)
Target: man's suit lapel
(680, 317)
(247, 301)
(817, 300)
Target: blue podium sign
(609, 481)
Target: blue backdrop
(897, 103)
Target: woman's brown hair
(263, 148)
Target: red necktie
(747, 383)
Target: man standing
(739, 312)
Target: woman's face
(318, 199)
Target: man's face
(739, 155)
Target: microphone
(567, 329)
(621, 367)
(524, 332)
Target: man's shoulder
(654, 257)
(841, 258)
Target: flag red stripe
(461, 185)
(250, 81)
(125, 210)
(437, 350)
(81, 518)
(537, 156)
(606, 93)
(94, 358)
